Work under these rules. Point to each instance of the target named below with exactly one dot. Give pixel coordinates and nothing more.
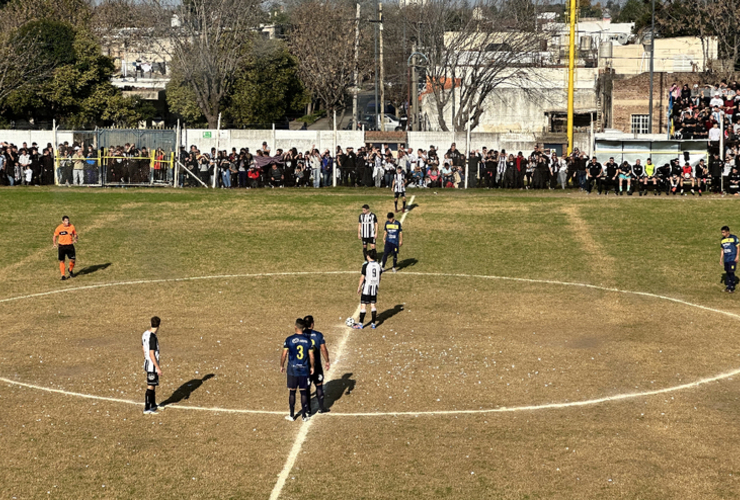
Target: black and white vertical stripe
(367, 222)
(400, 183)
(146, 341)
(372, 278)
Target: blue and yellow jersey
(299, 364)
(393, 230)
(729, 247)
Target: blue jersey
(299, 364)
(317, 340)
(729, 247)
(393, 232)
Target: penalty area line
(303, 433)
(411, 203)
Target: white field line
(301, 437)
(403, 217)
(441, 412)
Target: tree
(267, 87)
(207, 44)
(31, 53)
(78, 93)
(634, 11)
(487, 49)
(182, 103)
(325, 55)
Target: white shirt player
(399, 183)
(372, 271)
(149, 342)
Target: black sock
(291, 403)
(149, 400)
(395, 204)
(404, 206)
(304, 402)
(375, 316)
(362, 318)
(364, 253)
(320, 396)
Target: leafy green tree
(181, 102)
(267, 87)
(635, 11)
(77, 93)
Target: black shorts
(298, 382)
(368, 241)
(152, 378)
(67, 251)
(397, 194)
(368, 299)
(318, 376)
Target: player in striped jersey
(150, 346)
(368, 288)
(399, 188)
(367, 228)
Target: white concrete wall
(680, 54)
(511, 108)
(302, 140)
(511, 142)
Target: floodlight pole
(652, 60)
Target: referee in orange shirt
(67, 237)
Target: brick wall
(631, 96)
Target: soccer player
(650, 176)
(687, 174)
(392, 240)
(399, 188)
(150, 346)
(67, 236)
(318, 346)
(297, 350)
(368, 288)
(625, 175)
(729, 256)
(638, 177)
(701, 172)
(367, 228)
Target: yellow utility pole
(571, 70)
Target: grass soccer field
(532, 346)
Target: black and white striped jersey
(367, 225)
(371, 271)
(150, 342)
(399, 183)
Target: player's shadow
(411, 207)
(185, 390)
(92, 269)
(335, 389)
(407, 263)
(388, 314)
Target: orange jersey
(66, 234)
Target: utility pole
(652, 59)
(414, 91)
(376, 73)
(382, 70)
(357, 70)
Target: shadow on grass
(335, 389)
(92, 269)
(388, 314)
(406, 263)
(185, 390)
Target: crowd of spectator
(369, 166)
(705, 112)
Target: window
(640, 124)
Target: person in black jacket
(715, 171)
(594, 170)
